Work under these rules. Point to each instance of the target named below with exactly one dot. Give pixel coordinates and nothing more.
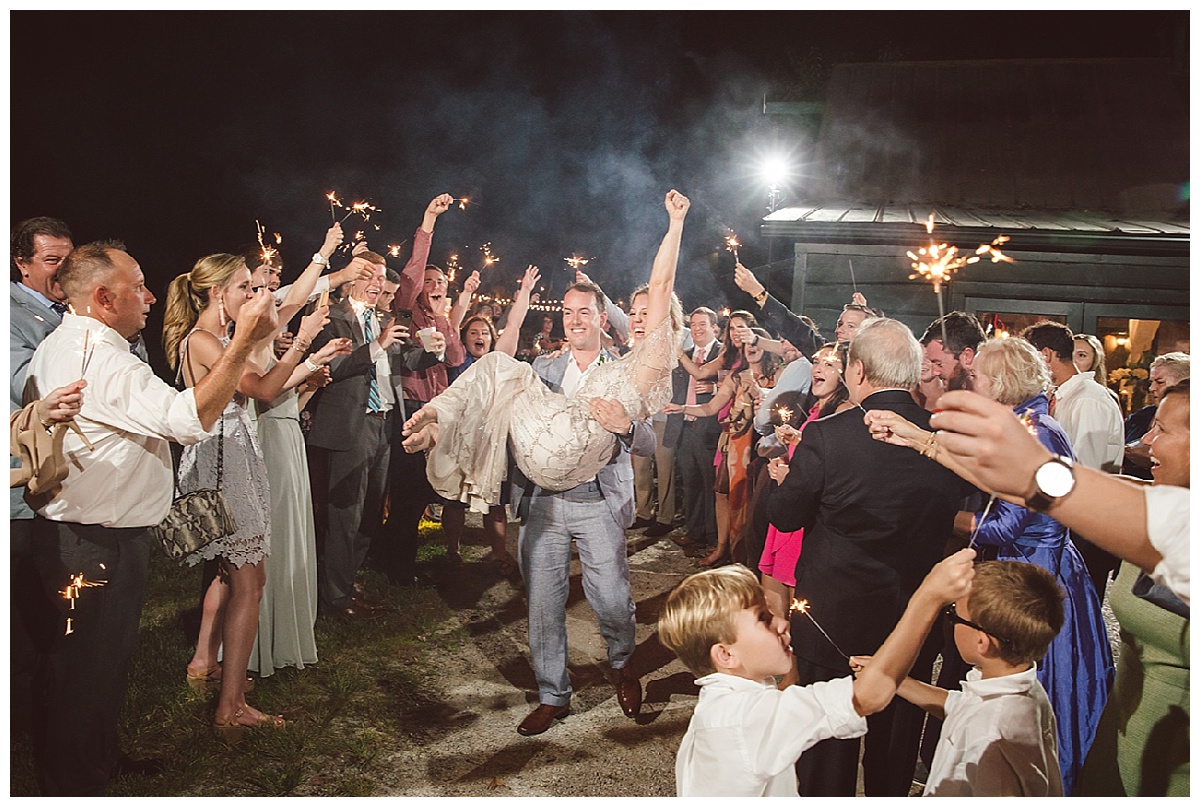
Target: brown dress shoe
(629, 691)
(542, 718)
(684, 540)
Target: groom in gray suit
(594, 514)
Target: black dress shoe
(629, 691)
(658, 529)
(642, 523)
(542, 718)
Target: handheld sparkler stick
(852, 281)
(978, 524)
(802, 606)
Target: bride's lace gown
(501, 403)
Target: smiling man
(594, 514)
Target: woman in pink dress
(782, 549)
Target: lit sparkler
(364, 209)
(488, 257)
(576, 261)
(802, 606)
(938, 263)
(333, 201)
(732, 244)
(463, 201)
(394, 249)
(75, 584)
(268, 253)
(785, 415)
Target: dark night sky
(175, 131)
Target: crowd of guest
(816, 463)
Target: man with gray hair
(875, 522)
(1165, 371)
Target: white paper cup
(426, 335)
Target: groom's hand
(611, 415)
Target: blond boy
(999, 737)
(746, 734)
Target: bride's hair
(676, 306)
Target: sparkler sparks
(488, 257)
(732, 244)
(364, 209)
(333, 201)
(938, 263)
(268, 253)
(802, 606)
(75, 584)
(463, 202)
(785, 415)
(576, 261)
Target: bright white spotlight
(775, 170)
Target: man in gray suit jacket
(595, 515)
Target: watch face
(1055, 479)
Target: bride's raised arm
(662, 274)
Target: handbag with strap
(198, 518)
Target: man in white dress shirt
(1090, 417)
(96, 524)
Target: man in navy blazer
(876, 518)
(595, 515)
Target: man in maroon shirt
(421, 297)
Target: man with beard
(951, 360)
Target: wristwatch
(632, 429)
(1053, 479)
(761, 297)
(318, 258)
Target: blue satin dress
(1077, 671)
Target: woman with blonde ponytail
(200, 306)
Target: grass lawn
(347, 714)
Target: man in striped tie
(350, 427)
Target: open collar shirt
(998, 739)
(745, 736)
(129, 414)
(1092, 421)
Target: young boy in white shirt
(746, 734)
(999, 737)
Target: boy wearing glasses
(999, 737)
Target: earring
(221, 312)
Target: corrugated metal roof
(1081, 221)
(1009, 136)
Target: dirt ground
(471, 746)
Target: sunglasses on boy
(951, 613)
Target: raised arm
(507, 342)
(300, 291)
(412, 278)
(256, 321)
(806, 338)
(463, 303)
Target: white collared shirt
(1168, 519)
(379, 356)
(745, 736)
(128, 414)
(1092, 421)
(573, 377)
(999, 739)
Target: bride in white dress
(501, 403)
